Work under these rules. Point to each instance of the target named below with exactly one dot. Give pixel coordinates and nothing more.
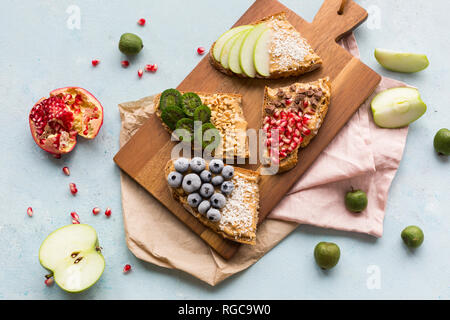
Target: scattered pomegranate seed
(96, 210)
(95, 62)
(75, 221)
(125, 63)
(200, 50)
(108, 212)
(305, 103)
(66, 171)
(140, 73)
(141, 22)
(48, 282)
(30, 211)
(127, 268)
(288, 101)
(151, 67)
(74, 215)
(73, 188)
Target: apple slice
(397, 107)
(233, 57)
(227, 48)
(224, 38)
(73, 255)
(261, 55)
(248, 48)
(401, 61)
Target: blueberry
(228, 172)
(217, 180)
(218, 200)
(174, 179)
(191, 182)
(181, 165)
(206, 190)
(204, 206)
(198, 164)
(213, 215)
(194, 199)
(206, 176)
(227, 187)
(216, 165)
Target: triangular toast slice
(228, 117)
(274, 47)
(240, 213)
(297, 111)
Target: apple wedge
(397, 107)
(401, 61)
(261, 54)
(247, 49)
(72, 254)
(227, 48)
(233, 58)
(224, 38)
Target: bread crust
(277, 75)
(179, 195)
(324, 84)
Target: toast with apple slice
(227, 116)
(296, 113)
(238, 218)
(268, 48)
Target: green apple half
(218, 46)
(401, 61)
(233, 58)
(248, 48)
(72, 254)
(397, 107)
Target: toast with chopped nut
(238, 217)
(226, 115)
(268, 48)
(295, 113)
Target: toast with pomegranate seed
(228, 118)
(239, 216)
(297, 111)
(269, 48)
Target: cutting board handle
(338, 25)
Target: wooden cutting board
(145, 155)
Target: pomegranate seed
(296, 133)
(283, 154)
(140, 73)
(141, 22)
(66, 171)
(73, 188)
(266, 127)
(305, 120)
(125, 63)
(95, 62)
(288, 101)
(277, 123)
(277, 114)
(96, 210)
(273, 122)
(108, 212)
(48, 282)
(269, 135)
(74, 215)
(127, 268)
(75, 221)
(306, 131)
(155, 67)
(268, 142)
(200, 50)
(30, 211)
(305, 103)
(151, 67)
(295, 142)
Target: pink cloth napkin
(362, 156)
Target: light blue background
(39, 53)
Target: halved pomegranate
(56, 121)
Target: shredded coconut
(238, 213)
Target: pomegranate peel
(56, 121)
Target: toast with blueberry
(269, 48)
(216, 111)
(296, 113)
(224, 198)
